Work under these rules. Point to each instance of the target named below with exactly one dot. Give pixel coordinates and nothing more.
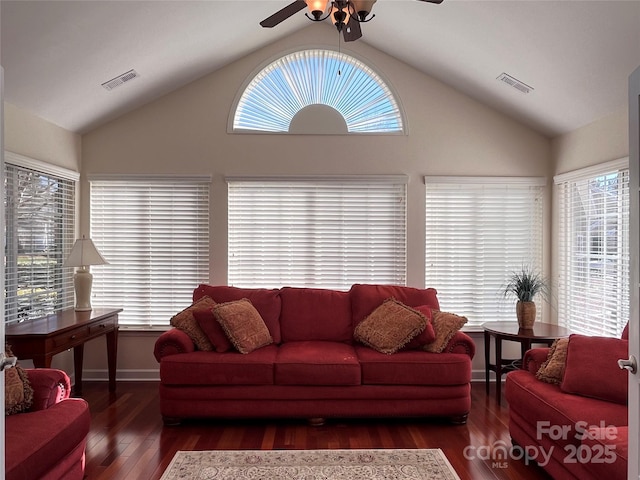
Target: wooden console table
(541, 333)
(42, 338)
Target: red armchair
(48, 441)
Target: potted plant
(526, 284)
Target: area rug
(311, 465)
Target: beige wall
(36, 138)
(185, 132)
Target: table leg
(498, 368)
(112, 355)
(78, 359)
(42, 361)
(487, 349)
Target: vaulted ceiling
(577, 55)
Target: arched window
(341, 90)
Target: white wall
(185, 132)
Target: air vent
(120, 79)
(515, 83)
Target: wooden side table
(541, 333)
(42, 338)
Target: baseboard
(153, 375)
(129, 375)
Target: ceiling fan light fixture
(363, 9)
(317, 8)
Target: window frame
(312, 91)
(60, 284)
(170, 287)
(353, 267)
(571, 277)
(464, 287)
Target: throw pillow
(390, 326)
(592, 368)
(552, 370)
(209, 324)
(18, 393)
(243, 325)
(186, 322)
(428, 335)
(445, 326)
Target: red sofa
(578, 428)
(314, 369)
(48, 441)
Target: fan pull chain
(339, 51)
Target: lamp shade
(84, 253)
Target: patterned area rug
(311, 465)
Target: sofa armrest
(50, 386)
(172, 342)
(534, 358)
(461, 343)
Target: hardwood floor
(128, 440)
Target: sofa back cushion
(315, 314)
(266, 302)
(366, 298)
(592, 368)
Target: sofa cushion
(35, 442)
(212, 368)
(445, 325)
(390, 326)
(606, 450)
(243, 325)
(317, 363)
(315, 314)
(546, 405)
(211, 327)
(413, 367)
(592, 368)
(552, 370)
(366, 298)
(427, 335)
(266, 301)
(186, 322)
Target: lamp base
(82, 282)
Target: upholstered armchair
(47, 441)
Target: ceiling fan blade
(283, 14)
(352, 31)
(432, 1)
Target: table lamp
(83, 254)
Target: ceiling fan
(346, 15)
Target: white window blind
(311, 232)
(478, 231)
(155, 235)
(593, 238)
(40, 224)
(291, 83)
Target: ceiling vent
(120, 79)
(515, 83)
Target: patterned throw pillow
(445, 325)
(18, 394)
(552, 370)
(390, 326)
(186, 322)
(243, 325)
